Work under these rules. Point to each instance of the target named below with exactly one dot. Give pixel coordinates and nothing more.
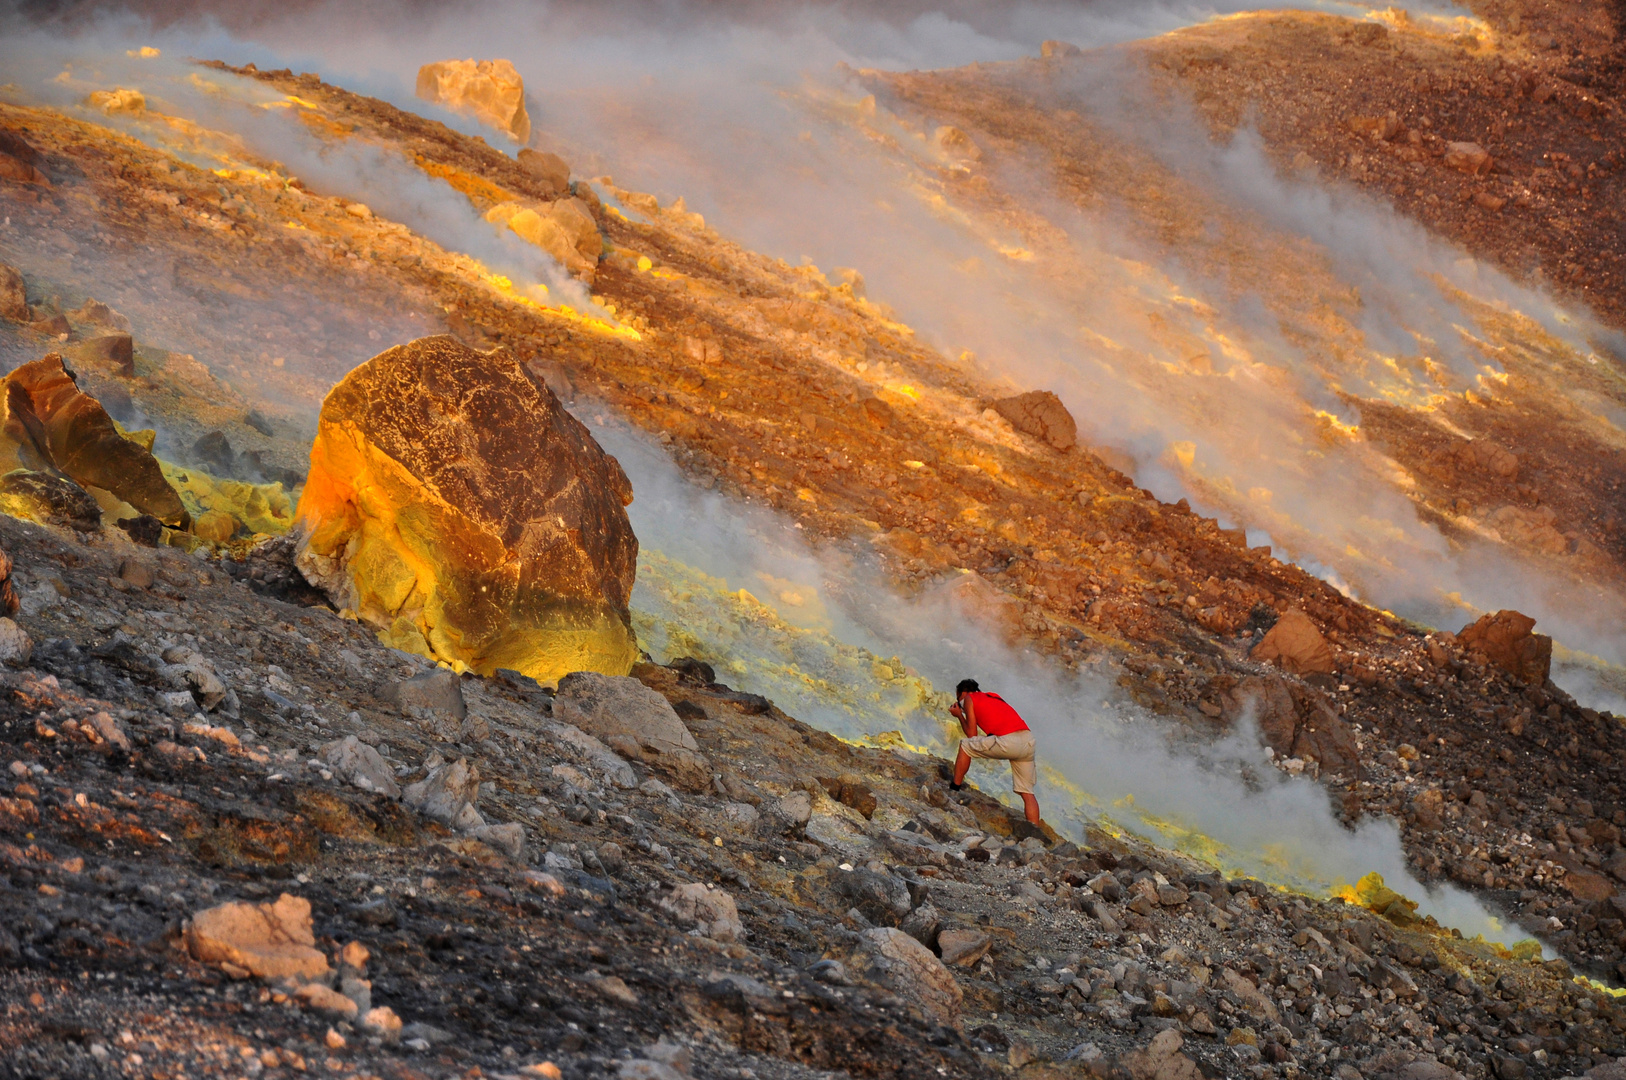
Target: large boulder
(632, 718)
(1295, 645)
(1041, 414)
(489, 90)
(49, 499)
(454, 504)
(51, 425)
(905, 966)
(1506, 640)
(271, 941)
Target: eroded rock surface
(1508, 641)
(490, 90)
(270, 941)
(453, 503)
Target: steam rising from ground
(744, 113)
(829, 644)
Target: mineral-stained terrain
(660, 875)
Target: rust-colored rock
(1295, 645)
(1294, 720)
(551, 169)
(489, 90)
(271, 941)
(50, 424)
(1507, 641)
(454, 503)
(1041, 414)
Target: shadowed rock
(50, 424)
(453, 503)
(49, 499)
(1507, 641)
(13, 295)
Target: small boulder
(1161, 1059)
(1428, 810)
(1041, 414)
(508, 838)
(1295, 645)
(711, 910)
(565, 229)
(1506, 640)
(551, 169)
(962, 948)
(13, 295)
(15, 644)
(489, 90)
(359, 765)
(113, 352)
(270, 941)
(609, 706)
(50, 500)
(449, 794)
(439, 691)
(909, 969)
(1467, 157)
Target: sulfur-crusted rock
(564, 229)
(50, 424)
(271, 941)
(1041, 414)
(1507, 641)
(453, 503)
(489, 90)
(49, 499)
(1295, 645)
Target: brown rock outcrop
(1295, 645)
(489, 90)
(1294, 720)
(271, 941)
(1507, 641)
(50, 424)
(454, 503)
(551, 169)
(1041, 414)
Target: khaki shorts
(1016, 748)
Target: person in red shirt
(1004, 737)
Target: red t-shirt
(994, 715)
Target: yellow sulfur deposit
(258, 508)
(454, 504)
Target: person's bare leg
(962, 762)
(1032, 807)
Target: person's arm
(968, 722)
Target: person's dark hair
(966, 686)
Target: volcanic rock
(15, 644)
(1041, 414)
(963, 947)
(359, 764)
(453, 503)
(13, 294)
(271, 941)
(1506, 640)
(51, 424)
(1468, 157)
(1058, 49)
(21, 172)
(448, 794)
(909, 969)
(439, 691)
(1161, 1060)
(489, 90)
(1295, 645)
(711, 910)
(616, 706)
(96, 313)
(49, 499)
(564, 229)
(551, 169)
(114, 352)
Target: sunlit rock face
(490, 90)
(456, 505)
(51, 425)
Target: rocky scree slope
(774, 903)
